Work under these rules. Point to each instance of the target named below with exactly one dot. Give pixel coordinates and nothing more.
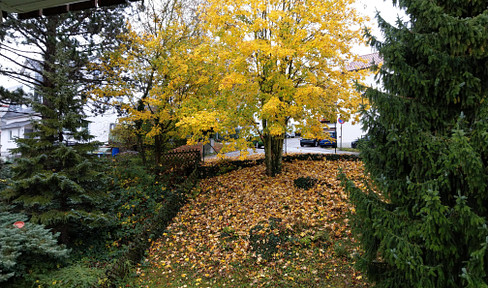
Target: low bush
(221, 167)
(144, 204)
(267, 239)
(305, 182)
(79, 275)
(340, 250)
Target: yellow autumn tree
(282, 60)
(153, 73)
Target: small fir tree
(23, 248)
(423, 222)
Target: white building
(352, 130)
(16, 122)
(101, 125)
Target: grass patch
(349, 149)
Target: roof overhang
(35, 8)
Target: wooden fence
(181, 160)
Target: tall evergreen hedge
(423, 221)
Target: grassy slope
(307, 243)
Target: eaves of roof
(14, 125)
(31, 8)
(369, 60)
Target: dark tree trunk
(140, 136)
(273, 151)
(47, 69)
(142, 148)
(158, 143)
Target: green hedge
(226, 166)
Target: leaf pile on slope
(211, 235)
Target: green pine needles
(423, 220)
(55, 183)
(26, 248)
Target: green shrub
(143, 205)
(340, 249)
(75, 276)
(228, 233)
(305, 182)
(267, 239)
(305, 241)
(136, 198)
(322, 237)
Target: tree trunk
(140, 143)
(158, 143)
(142, 149)
(273, 151)
(47, 70)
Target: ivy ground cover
(244, 229)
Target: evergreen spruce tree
(423, 221)
(55, 183)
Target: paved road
(293, 146)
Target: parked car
(290, 134)
(258, 143)
(354, 144)
(309, 142)
(329, 142)
(256, 140)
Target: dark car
(256, 140)
(258, 143)
(332, 142)
(309, 142)
(354, 144)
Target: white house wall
(101, 124)
(8, 142)
(352, 130)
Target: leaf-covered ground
(244, 229)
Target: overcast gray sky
(387, 11)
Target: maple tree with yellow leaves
(254, 66)
(153, 73)
(279, 61)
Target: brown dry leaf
(230, 205)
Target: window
(27, 133)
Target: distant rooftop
(371, 59)
(17, 111)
